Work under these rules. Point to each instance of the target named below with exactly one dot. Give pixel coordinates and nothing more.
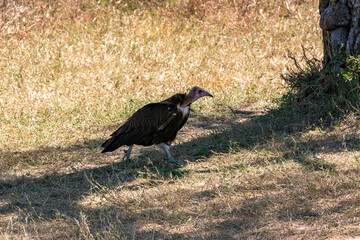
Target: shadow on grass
(246, 219)
(46, 196)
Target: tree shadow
(45, 196)
(249, 216)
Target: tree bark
(340, 22)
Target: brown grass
(69, 65)
(71, 71)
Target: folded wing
(143, 126)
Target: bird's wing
(143, 123)
(153, 115)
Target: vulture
(155, 123)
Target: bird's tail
(105, 143)
(107, 146)
(113, 143)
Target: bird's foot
(173, 161)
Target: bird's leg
(127, 156)
(165, 147)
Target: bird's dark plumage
(155, 123)
(152, 124)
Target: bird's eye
(200, 91)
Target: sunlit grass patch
(96, 63)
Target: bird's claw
(173, 161)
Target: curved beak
(205, 93)
(208, 94)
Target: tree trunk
(340, 22)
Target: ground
(251, 167)
(245, 174)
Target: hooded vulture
(155, 123)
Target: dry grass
(68, 66)
(72, 70)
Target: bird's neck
(189, 98)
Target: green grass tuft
(329, 91)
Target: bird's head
(195, 93)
